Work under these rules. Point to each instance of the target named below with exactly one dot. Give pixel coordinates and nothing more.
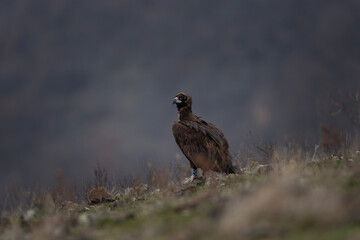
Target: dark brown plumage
(203, 144)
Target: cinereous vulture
(203, 144)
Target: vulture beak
(176, 100)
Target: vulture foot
(193, 179)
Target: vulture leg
(193, 175)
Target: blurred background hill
(92, 81)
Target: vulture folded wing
(189, 141)
(203, 144)
(210, 130)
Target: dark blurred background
(87, 82)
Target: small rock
(156, 191)
(69, 205)
(263, 169)
(29, 214)
(98, 195)
(128, 191)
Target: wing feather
(208, 129)
(203, 144)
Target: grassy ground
(297, 198)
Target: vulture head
(182, 101)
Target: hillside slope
(297, 198)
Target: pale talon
(189, 180)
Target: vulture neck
(185, 114)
